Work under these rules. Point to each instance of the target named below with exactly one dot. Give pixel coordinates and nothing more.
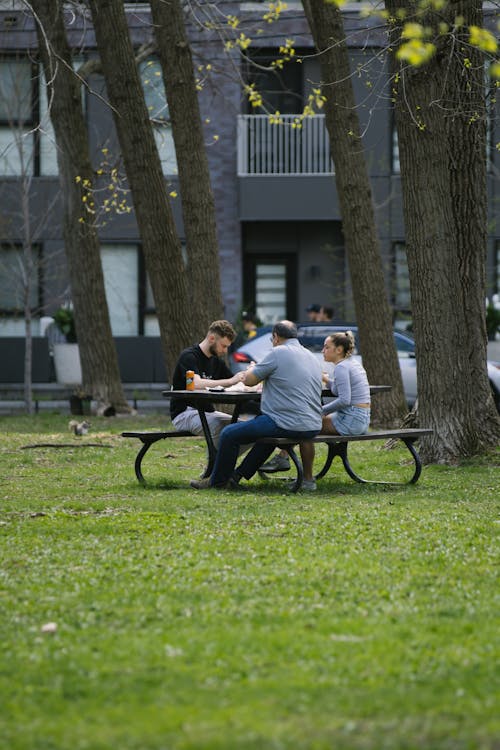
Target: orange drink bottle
(189, 380)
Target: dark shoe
(204, 484)
(277, 463)
(200, 484)
(233, 483)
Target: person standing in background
(325, 314)
(250, 325)
(313, 311)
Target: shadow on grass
(273, 488)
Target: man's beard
(213, 350)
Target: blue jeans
(244, 433)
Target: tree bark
(160, 242)
(373, 312)
(29, 272)
(194, 178)
(442, 155)
(101, 375)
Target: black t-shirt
(193, 358)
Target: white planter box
(67, 364)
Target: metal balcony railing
(265, 148)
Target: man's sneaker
(200, 484)
(309, 485)
(204, 484)
(277, 463)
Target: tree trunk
(28, 274)
(28, 359)
(194, 178)
(101, 375)
(467, 142)
(160, 242)
(444, 202)
(373, 312)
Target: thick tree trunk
(373, 312)
(101, 375)
(444, 201)
(160, 242)
(194, 178)
(467, 142)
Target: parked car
(312, 336)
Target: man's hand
(249, 378)
(238, 378)
(200, 383)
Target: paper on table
(242, 388)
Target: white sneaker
(309, 485)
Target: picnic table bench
(337, 446)
(148, 439)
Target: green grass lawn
(354, 617)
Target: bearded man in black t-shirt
(209, 371)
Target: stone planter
(67, 364)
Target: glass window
(48, 151)
(18, 279)
(396, 167)
(27, 141)
(16, 118)
(270, 291)
(121, 279)
(16, 151)
(404, 344)
(15, 91)
(156, 102)
(400, 278)
(47, 139)
(280, 88)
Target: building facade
(278, 217)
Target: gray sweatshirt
(349, 384)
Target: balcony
(282, 149)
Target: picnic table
(337, 445)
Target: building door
(270, 286)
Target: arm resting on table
(249, 378)
(200, 383)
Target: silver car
(312, 336)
